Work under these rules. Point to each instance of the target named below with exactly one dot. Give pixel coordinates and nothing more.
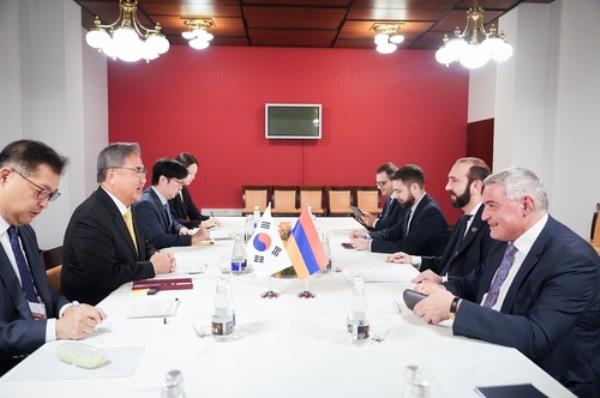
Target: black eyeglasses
(42, 193)
(380, 183)
(140, 171)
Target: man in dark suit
(423, 230)
(103, 247)
(155, 218)
(539, 292)
(31, 314)
(392, 211)
(470, 240)
(182, 206)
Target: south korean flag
(266, 252)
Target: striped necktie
(129, 222)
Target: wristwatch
(453, 307)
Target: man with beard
(470, 240)
(423, 230)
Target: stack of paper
(149, 307)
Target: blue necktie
(501, 274)
(168, 212)
(26, 278)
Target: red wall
(402, 107)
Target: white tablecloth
(286, 347)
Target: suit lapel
(38, 273)
(420, 207)
(472, 232)
(528, 264)
(13, 286)
(159, 206)
(118, 219)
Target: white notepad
(151, 307)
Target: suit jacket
(392, 213)
(427, 235)
(155, 225)
(20, 334)
(184, 210)
(462, 256)
(98, 252)
(551, 312)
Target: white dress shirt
(122, 208)
(523, 244)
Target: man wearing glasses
(104, 246)
(31, 314)
(392, 211)
(156, 220)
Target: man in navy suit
(470, 240)
(392, 211)
(155, 218)
(539, 292)
(31, 314)
(422, 231)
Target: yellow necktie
(129, 222)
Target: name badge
(38, 310)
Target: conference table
(284, 347)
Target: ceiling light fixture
(387, 37)
(197, 32)
(126, 38)
(474, 54)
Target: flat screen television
(293, 121)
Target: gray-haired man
(538, 293)
(103, 247)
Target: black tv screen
(293, 121)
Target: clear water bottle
(245, 267)
(223, 319)
(248, 228)
(173, 387)
(326, 250)
(414, 385)
(238, 256)
(256, 217)
(357, 321)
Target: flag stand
(270, 294)
(306, 294)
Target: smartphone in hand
(412, 297)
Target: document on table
(220, 234)
(44, 365)
(152, 306)
(189, 262)
(381, 272)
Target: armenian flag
(304, 246)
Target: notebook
(510, 391)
